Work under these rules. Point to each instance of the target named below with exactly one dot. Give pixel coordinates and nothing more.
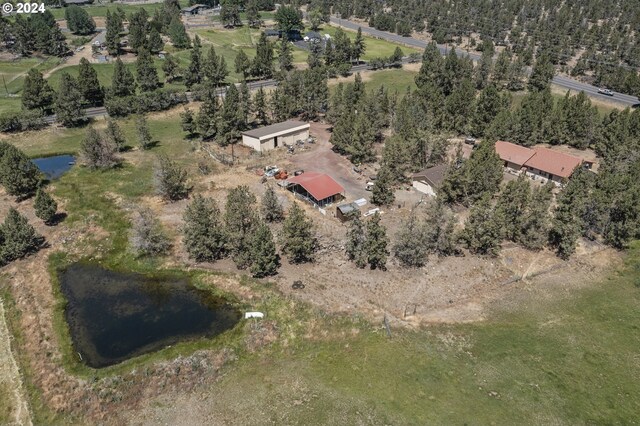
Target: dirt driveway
(320, 158)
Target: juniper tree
(483, 229)
(285, 55)
(97, 151)
(78, 20)
(204, 236)
(382, 193)
(359, 46)
(114, 28)
(534, 225)
(187, 121)
(242, 64)
(170, 68)
(230, 118)
(568, 223)
(376, 244)
(299, 241)
(253, 13)
(272, 210)
(68, 106)
(542, 74)
(138, 29)
(18, 237)
(92, 92)
(18, 175)
(36, 92)
(262, 65)
(207, 118)
(439, 228)
(114, 135)
(245, 103)
(45, 206)
(356, 242)
(142, 130)
(240, 223)
(512, 205)
(155, 41)
(260, 107)
(147, 236)
(193, 73)
(122, 82)
(411, 247)
(171, 180)
(178, 34)
(146, 72)
(215, 68)
(264, 257)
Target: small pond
(56, 166)
(114, 316)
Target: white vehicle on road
(607, 92)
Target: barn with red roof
(318, 188)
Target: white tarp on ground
(360, 202)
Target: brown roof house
(318, 188)
(429, 180)
(539, 162)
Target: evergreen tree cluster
(18, 175)
(367, 243)
(78, 20)
(17, 238)
(34, 33)
(240, 232)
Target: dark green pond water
(114, 316)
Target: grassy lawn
(101, 10)
(572, 361)
(375, 48)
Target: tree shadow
(57, 219)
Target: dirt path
(10, 376)
(86, 53)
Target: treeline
(35, 33)
(602, 34)
(22, 179)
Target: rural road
(563, 82)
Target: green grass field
(375, 48)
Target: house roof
(514, 153)
(345, 209)
(433, 175)
(553, 162)
(275, 128)
(271, 32)
(313, 34)
(319, 185)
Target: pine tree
(171, 180)
(122, 83)
(512, 205)
(245, 103)
(178, 34)
(207, 116)
(299, 241)
(482, 230)
(253, 14)
(484, 172)
(272, 210)
(240, 224)
(411, 247)
(488, 106)
(18, 174)
(36, 92)
(170, 68)
(314, 59)
(382, 193)
(193, 74)
(97, 151)
(242, 64)
(88, 83)
(147, 74)
(485, 65)
(260, 107)
(114, 27)
(215, 68)
(147, 236)
(264, 257)
(204, 236)
(45, 206)
(144, 135)
(20, 239)
(68, 106)
(376, 245)
(188, 123)
(359, 46)
(230, 13)
(78, 20)
(114, 135)
(285, 55)
(155, 41)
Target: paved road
(563, 82)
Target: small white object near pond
(253, 315)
